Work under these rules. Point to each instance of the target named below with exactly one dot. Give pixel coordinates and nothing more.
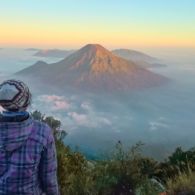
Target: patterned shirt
(28, 164)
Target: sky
(113, 23)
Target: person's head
(14, 95)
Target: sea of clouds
(160, 117)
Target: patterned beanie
(14, 95)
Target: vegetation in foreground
(126, 172)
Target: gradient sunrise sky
(113, 23)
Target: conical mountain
(96, 59)
(95, 68)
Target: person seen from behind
(28, 164)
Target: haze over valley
(114, 81)
(160, 114)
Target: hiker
(28, 162)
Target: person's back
(27, 149)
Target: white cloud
(104, 121)
(86, 106)
(61, 105)
(55, 103)
(51, 98)
(72, 112)
(159, 123)
(80, 119)
(89, 120)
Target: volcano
(94, 68)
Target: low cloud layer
(158, 124)
(55, 102)
(73, 112)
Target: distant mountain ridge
(32, 49)
(133, 55)
(56, 53)
(94, 68)
(140, 58)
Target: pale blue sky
(122, 17)
(153, 10)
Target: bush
(183, 184)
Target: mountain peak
(93, 47)
(96, 59)
(94, 50)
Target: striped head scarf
(14, 95)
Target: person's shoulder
(41, 126)
(41, 131)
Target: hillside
(123, 171)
